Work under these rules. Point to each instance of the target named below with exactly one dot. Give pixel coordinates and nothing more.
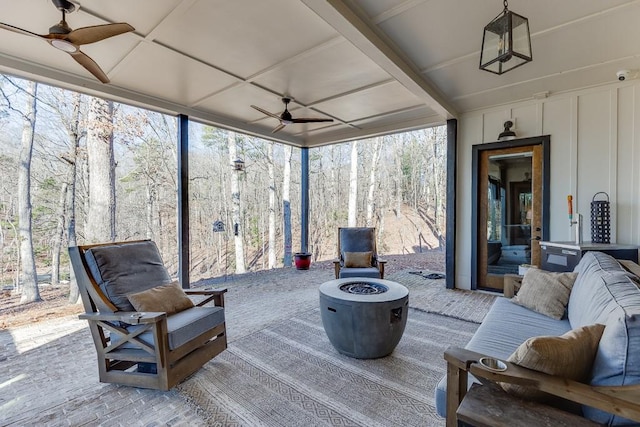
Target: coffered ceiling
(373, 66)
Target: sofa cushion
(545, 292)
(568, 356)
(165, 298)
(357, 259)
(185, 326)
(504, 328)
(122, 269)
(604, 293)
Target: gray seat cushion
(184, 326)
(126, 268)
(505, 327)
(359, 272)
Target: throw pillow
(164, 298)
(546, 293)
(357, 259)
(568, 356)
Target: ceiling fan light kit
(63, 38)
(506, 43)
(63, 45)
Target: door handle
(537, 238)
(538, 229)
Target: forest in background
(78, 169)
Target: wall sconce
(506, 43)
(238, 165)
(507, 133)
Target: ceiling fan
(62, 37)
(286, 119)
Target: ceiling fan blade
(90, 65)
(265, 112)
(20, 31)
(87, 35)
(310, 120)
(278, 128)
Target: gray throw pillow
(546, 293)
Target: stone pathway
(48, 372)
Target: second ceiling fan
(285, 117)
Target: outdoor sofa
(603, 293)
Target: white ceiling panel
(337, 69)
(244, 37)
(143, 15)
(168, 75)
(372, 102)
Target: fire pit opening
(363, 288)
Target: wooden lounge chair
(148, 349)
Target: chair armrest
(130, 317)
(620, 401)
(217, 295)
(381, 263)
(336, 267)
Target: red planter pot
(302, 260)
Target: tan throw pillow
(544, 292)
(568, 356)
(357, 259)
(164, 298)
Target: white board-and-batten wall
(595, 146)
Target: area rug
(288, 374)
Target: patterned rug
(288, 374)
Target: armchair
(357, 253)
(150, 349)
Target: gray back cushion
(604, 293)
(358, 239)
(125, 268)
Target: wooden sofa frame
(116, 362)
(621, 400)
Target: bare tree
(377, 145)
(286, 204)
(101, 219)
(272, 207)
(235, 206)
(353, 186)
(73, 130)
(28, 276)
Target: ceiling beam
(364, 37)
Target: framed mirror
(510, 208)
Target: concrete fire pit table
(364, 317)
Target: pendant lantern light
(506, 43)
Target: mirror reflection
(510, 213)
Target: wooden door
(519, 233)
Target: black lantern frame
(506, 43)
